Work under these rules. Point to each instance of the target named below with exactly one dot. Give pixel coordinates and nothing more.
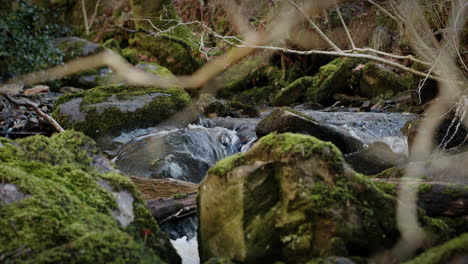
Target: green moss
(226, 165)
(244, 109)
(444, 253)
(112, 119)
(66, 215)
(113, 44)
(378, 81)
(332, 78)
(131, 55)
(257, 95)
(294, 92)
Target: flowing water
(187, 153)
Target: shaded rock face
(112, 109)
(74, 47)
(287, 120)
(290, 198)
(378, 80)
(181, 154)
(64, 211)
(294, 92)
(374, 158)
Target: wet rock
(182, 154)
(287, 120)
(374, 158)
(331, 260)
(240, 110)
(294, 92)
(71, 218)
(290, 197)
(109, 110)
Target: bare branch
(315, 26)
(35, 107)
(353, 46)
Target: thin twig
(35, 107)
(359, 56)
(346, 28)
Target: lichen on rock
(66, 216)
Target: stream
(187, 153)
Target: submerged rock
(290, 198)
(112, 109)
(287, 120)
(181, 154)
(69, 212)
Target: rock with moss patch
(335, 77)
(112, 109)
(454, 251)
(65, 211)
(294, 92)
(378, 80)
(287, 120)
(290, 198)
(375, 158)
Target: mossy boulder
(66, 211)
(377, 81)
(334, 77)
(250, 78)
(453, 251)
(173, 48)
(287, 120)
(294, 92)
(112, 109)
(290, 198)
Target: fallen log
(168, 199)
(167, 209)
(436, 198)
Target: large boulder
(287, 120)
(291, 198)
(57, 207)
(112, 109)
(184, 154)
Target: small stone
(10, 193)
(37, 90)
(69, 90)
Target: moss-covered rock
(74, 47)
(173, 48)
(335, 77)
(69, 212)
(289, 198)
(454, 251)
(287, 120)
(377, 80)
(294, 92)
(250, 82)
(112, 109)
